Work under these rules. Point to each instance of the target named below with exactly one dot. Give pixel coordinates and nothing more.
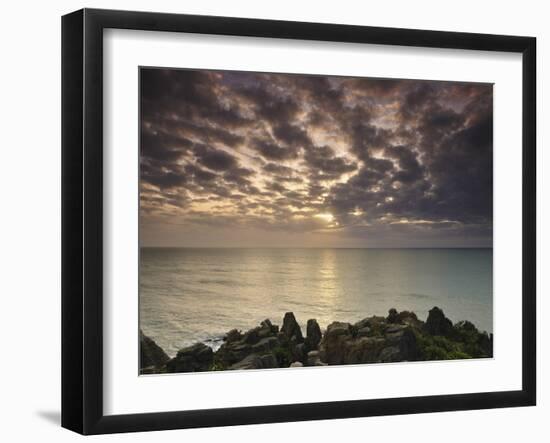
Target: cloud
(323, 161)
(388, 159)
(215, 159)
(272, 151)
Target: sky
(243, 159)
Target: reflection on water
(187, 295)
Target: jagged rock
(314, 334)
(486, 343)
(237, 346)
(269, 361)
(298, 351)
(338, 328)
(343, 344)
(251, 336)
(404, 340)
(290, 330)
(375, 323)
(313, 359)
(400, 336)
(268, 326)
(490, 348)
(333, 344)
(394, 328)
(195, 358)
(410, 319)
(233, 353)
(477, 344)
(437, 323)
(263, 333)
(233, 336)
(265, 345)
(151, 355)
(251, 361)
(297, 364)
(267, 329)
(390, 354)
(255, 361)
(362, 350)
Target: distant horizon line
(314, 247)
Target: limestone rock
(390, 354)
(364, 332)
(151, 355)
(255, 361)
(195, 358)
(392, 316)
(404, 340)
(333, 345)
(290, 330)
(437, 323)
(298, 351)
(251, 361)
(232, 336)
(256, 341)
(410, 319)
(314, 334)
(268, 326)
(265, 345)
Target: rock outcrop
(437, 323)
(313, 335)
(151, 356)
(291, 332)
(369, 341)
(255, 361)
(314, 359)
(195, 358)
(399, 337)
(252, 350)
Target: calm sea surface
(195, 294)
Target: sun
(325, 216)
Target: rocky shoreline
(399, 337)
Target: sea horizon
(314, 247)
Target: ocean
(198, 294)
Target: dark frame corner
(82, 254)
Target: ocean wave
(218, 281)
(416, 295)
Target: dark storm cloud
(323, 160)
(291, 135)
(410, 169)
(272, 151)
(162, 146)
(362, 157)
(164, 178)
(278, 169)
(215, 159)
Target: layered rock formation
(399, 337)
(152, 358)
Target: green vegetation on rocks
(399, 337)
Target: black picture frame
(82, 219)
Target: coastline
(398, 337)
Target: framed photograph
(269, 221)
